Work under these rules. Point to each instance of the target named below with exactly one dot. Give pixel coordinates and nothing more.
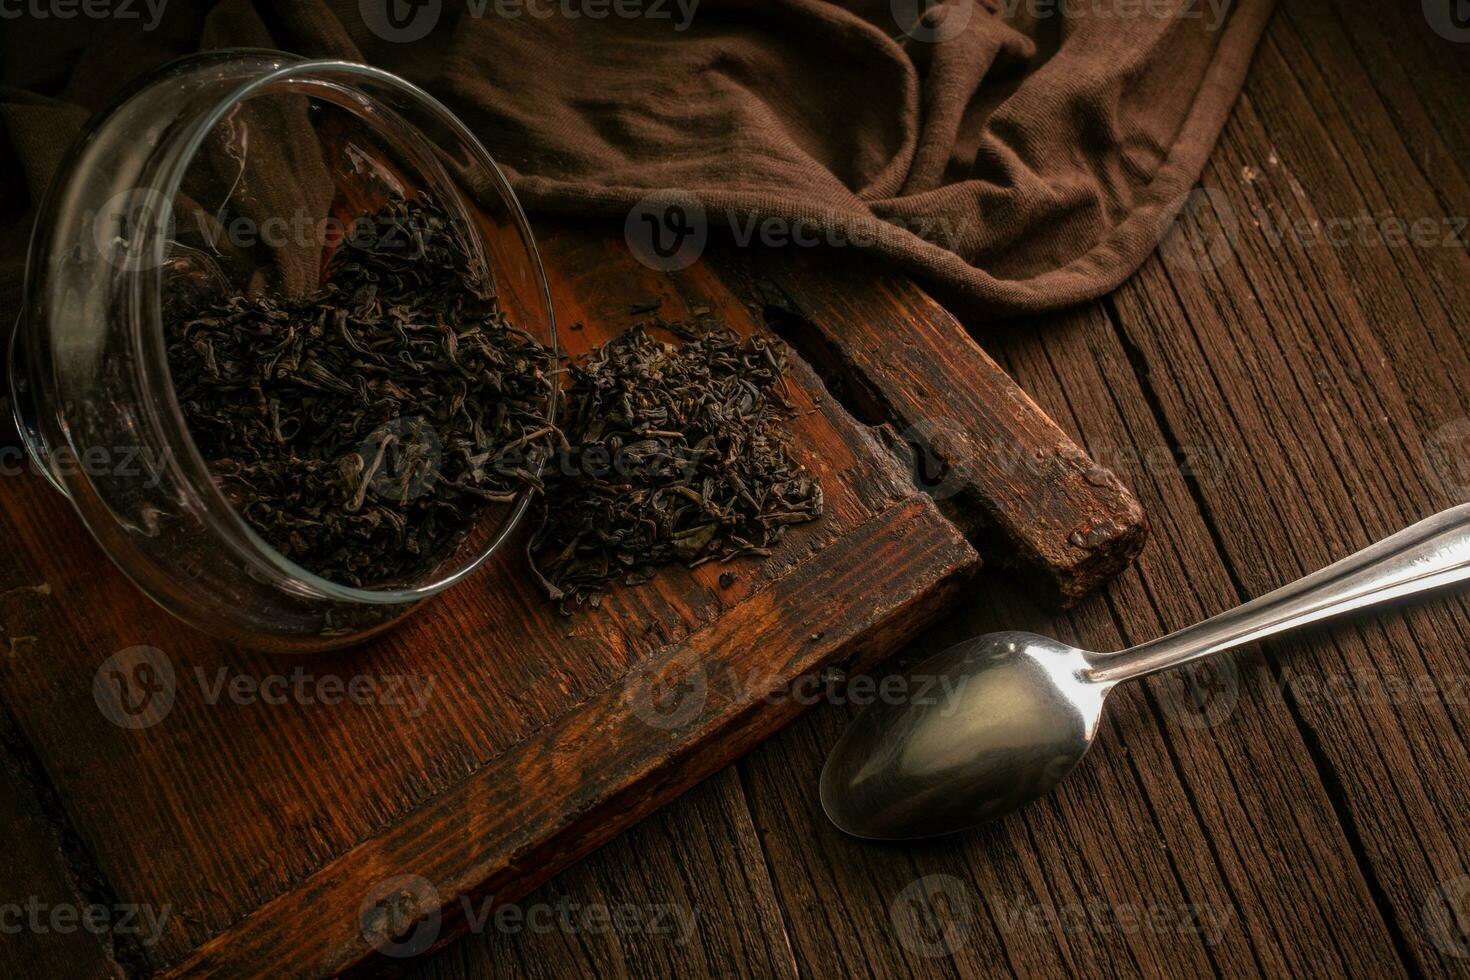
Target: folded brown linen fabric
(1015, 155)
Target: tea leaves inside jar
(349, 427)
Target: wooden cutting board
(489, 741)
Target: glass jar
(229, 172)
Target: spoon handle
(1421, 558)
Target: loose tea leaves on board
(672, 452)
(361, 430)
(351, 427)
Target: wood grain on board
(45, 925)
(507, 741)
(1276, 401)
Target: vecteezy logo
(401, 916)
(933, 915)
(135, 688)
(1448, 448)
(400, 461)
(1203, 232)
(667, 230)
(932, 21)
(131, 228)
(1450, 19)
(1444, 915)
(668, 695)
(1203, 694)
(938, 460)
(401, 21)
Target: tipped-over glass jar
(222, 174)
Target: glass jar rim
(153, 347)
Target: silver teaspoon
(1005, 716)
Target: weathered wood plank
(686, 892)
(47, 926)
(1029, 496)
(43, 869)
(1303, 902)
(1277, 351)
(573, 784)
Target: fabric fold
(1016, 156)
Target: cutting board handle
(1021, 488)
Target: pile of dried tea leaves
(361, 430)
(671, 453)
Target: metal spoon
(1007, 715)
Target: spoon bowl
(993, 723)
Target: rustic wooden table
(1300, 347)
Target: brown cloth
(1017, 155)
